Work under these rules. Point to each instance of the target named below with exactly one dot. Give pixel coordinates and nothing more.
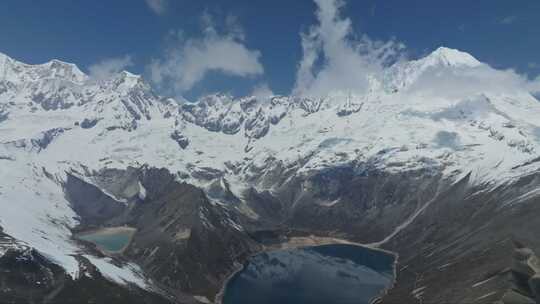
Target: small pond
(109, 240)
(329, 274)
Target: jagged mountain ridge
(125, 101)
(54, 119)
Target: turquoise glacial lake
(329, 274)
(112, 240)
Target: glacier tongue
(121, 122)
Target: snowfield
(55, 119)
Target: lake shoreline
(300, 242)
(107, 231)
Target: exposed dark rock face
(455, 249)
(26, 277)
(211, 114)
(131, 110)
(182, 140)
(3, 115)
(89, 123)
(524, 275)
(139, 99)
(53, 102)
(453, 239)
(92, 287)
(356, 201)
(92, 205)
(231, 125)
(47, 137)
(183, 242)
(349, 108)
(367, 205)
(39, 142)
(310, 105)
(206, 173)
(220, 113)
(459, 249)
(179, 226)
(6, 86)
(258, 125)
(123, 183)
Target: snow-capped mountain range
(55, 119)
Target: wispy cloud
(534, 86)
(533, 65)
(157, 6)
(373, 10)
(335, 59)
(463, 82)
(108, 67)
(188, 60)
(507, 20)
(262, 91)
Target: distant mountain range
(425, 152)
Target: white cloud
(534, 86)
(157, 6)
(108, 67)
(334, 59)
(337, 60)
(463, 82)
(262, 91)
(188, 61)
(508, 20)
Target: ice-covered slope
(54, 119)
(405, 74)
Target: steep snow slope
(54, 119)
(405, 74)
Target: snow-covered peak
(130, 76)
(404, 74)
(17, 72)
(64, 70)
(122, 100)
(450, 57)
(3, 58)
(124, 82)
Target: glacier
(55, 120)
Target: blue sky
(266, 36)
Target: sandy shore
(312, 240)
(109, 230)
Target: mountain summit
(450, 57)
(17, 72)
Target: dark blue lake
(329, 274)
